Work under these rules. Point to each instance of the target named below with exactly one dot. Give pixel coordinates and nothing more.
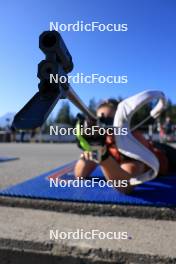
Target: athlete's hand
(94, 145)
(97, 154)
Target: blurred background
(145, 53)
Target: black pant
(170, 153)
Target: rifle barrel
(76, 100)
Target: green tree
(64, 115)
(92, 105)
(141, 115)
(47, 124)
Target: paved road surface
(24, 233)
(34, 160)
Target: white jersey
(128, 144)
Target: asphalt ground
(35, 159)
(25, 224)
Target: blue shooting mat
(4, 159)
(158, 192)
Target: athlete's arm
(124, 171)
(84, 167)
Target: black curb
(142, 212)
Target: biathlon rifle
(58, 61)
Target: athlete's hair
(111, 102)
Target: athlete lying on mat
(117, 166)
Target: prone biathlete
(125, 157)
